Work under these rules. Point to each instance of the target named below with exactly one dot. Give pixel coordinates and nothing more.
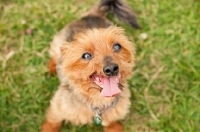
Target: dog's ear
(65, 47)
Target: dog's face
(98, 61)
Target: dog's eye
(87, 56)
(117, 47)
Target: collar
(105, 109)
(97, 117)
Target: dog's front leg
(51, 127)
(54, 118)
(114, 127)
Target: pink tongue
(109, 85)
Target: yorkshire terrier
(93, 60)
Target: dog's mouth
(110, 85)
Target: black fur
(121, 10)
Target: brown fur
(52, 66)
(114, 127)
(51, 127)
(77, 92)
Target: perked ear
(65, 47)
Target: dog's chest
(79, 113)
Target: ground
(166, 79)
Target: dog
(93, 60)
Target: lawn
(166, 79)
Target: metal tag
(97, 119)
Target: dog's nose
(111, 69)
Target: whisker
(99, 88)
(120, 86)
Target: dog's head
(98, 61)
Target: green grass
(166, 81)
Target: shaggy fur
(77, 92)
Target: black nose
(111, 69)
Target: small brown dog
(93, 61)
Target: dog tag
(97, 119)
